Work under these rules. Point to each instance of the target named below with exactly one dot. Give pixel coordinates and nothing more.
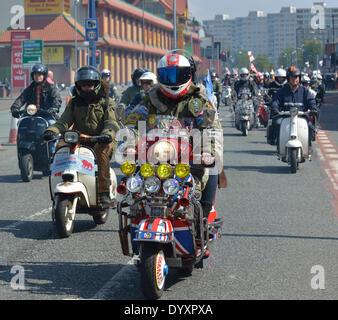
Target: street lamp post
(92, 14)
(175, 24)
(75, 5)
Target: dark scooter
(33, 152)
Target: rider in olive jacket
(91, 111)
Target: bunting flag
(208, 86)
(321, 63)
(253, 68)
(307, 63)
(251, 57)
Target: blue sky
(206, 9)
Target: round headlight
(171, 186)
(182, 170)
(162, 151)
(147, 170)
(71, 137)
(152, 184)
(164, 171)
(134, 184)
(128, 168)
(31, 109)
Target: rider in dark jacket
(40, 93)
(293, 94)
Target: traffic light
(223, 56)
(98, 57)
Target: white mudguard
(72, 188)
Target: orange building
(128, 37)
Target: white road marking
(24, 219)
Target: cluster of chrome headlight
(151, 178)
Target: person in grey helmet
(40, 93)
(91, 111)
(106, 76)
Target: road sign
(92, 31)
(32, 52)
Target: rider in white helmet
(245, 82)
(106, 76)
(147, 80)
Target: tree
(287, 58)
(242, 59)
(262, 64)
(312, 52)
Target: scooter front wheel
(293, 160)
(64, 218)
(153, 270)
(26, 165)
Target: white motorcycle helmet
(280, 73)
(244, 74)
(174, 75)
(149, 76)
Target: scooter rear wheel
(26, 165)
(101, 218)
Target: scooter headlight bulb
(31, 109)
(171, 186)
(71, 137)
(152, 184)
(134, 184)
(293, 112)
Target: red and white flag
(251, 57)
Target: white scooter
(293, 145)
(73, 184)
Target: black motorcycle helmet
(88, 73)
(41, 68)
(137, 73)
(293, 72)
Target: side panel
(183, 238)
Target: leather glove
(48, 135)
(15, 112)
(274, 111)
(105, 138)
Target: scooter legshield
(302, 135)
(157, 230)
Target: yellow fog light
(164, 171)
(128, 168)
(147, 170)
(182, 170)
